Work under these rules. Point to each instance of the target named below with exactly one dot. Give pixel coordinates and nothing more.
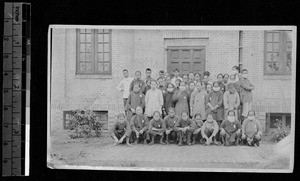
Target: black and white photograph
(171, 98)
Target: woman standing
(154, 100)
(215, 103)
(197, 101)
(181, 100)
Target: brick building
(87, 65)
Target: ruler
(16, 89)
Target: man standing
(139, 81)
(246, 94)
(148, 75)
(124, 86)
(176, 76)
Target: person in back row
(246, 93)
(176, 76)
(148, 74)
(251, 130)
(185, 128)
(135, 99)
(181, 100)
(139, 126)
(124, 87)
(220, 81)
(138, 80)
(231, 100)
(215, 103)
(154, 100)
(168, 95)
(198, 101)
(120, 130)
(170, 120)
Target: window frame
(94, 53)
(282, 54)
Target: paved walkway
(95, 153)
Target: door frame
(201, 47)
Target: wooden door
(186, 59)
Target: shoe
(161, 142)
(128, 144)
(145, 142)
(151, 143)
(180, 144)
(189, 144)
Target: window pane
(100, 38)
(88, 30)
(82, 56)
(82, 37)
(82, 47)
(82, 66)
(106, 47)
(88, 67)
(88, 38)
(276, 37)
(100, 30)
(270, 37)
(106, 56)
(276, 47)
(289, 61)
(88, 48)
(273, 67)
(275, 57)
(100, 67)
(106, 37)
(289, 47)
(88, 57)
(100, 47)
(82, 30)
(106, 67)
(269, 57)
(106, 30)
(288, 36)
(270, 47)
(100, 57)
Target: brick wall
(140, 49)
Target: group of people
(187, 109)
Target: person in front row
(198, 125)
(185, 128)
(135, 99)
(156, 128)
(230, 129)
(170, 121)
(251, 130)
(121, 130)
(209, 130)
(139, 125)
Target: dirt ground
(100, 152)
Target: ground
(97, 152)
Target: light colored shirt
(154, 101)
(124, 86)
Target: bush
(281, 131)
(85, 124)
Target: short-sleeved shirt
(170, 122)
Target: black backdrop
(108, 12)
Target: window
(93, 51)
(278, 53)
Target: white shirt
(173, 80)
(124, 86)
